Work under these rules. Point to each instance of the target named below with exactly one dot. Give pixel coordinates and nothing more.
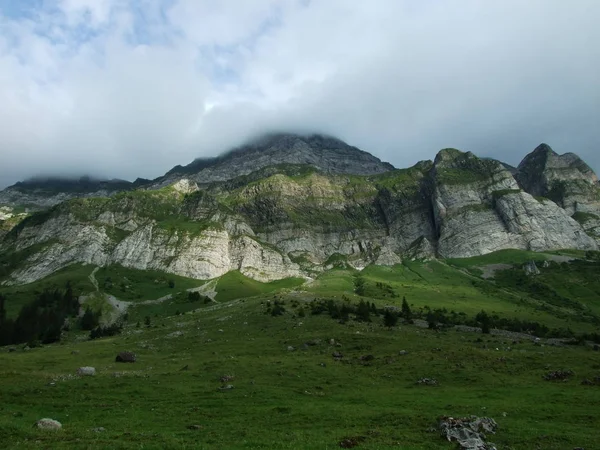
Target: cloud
(126, 89)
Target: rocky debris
(427, 382)
(226, 378)
(468, 432)
(291, 348)
(194, 427)
(531, 269)
(337, 355)
(403, 352)
(351, 442)
(98, 430)
(48, 424)
(226, 387)
(86, 371)
(175, 334)
(126, 357)
(420, 249)
(558, 375)
(387, 258)
(594, 382)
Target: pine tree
(363, 311)
(406, 312)
(2, 309)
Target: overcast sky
(124, 88)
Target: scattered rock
(403, 352)
(86, 371)
(290, 348)
(226, 387)
(48, 424)
(468, 432)
(558, 375)
(98, 430)
(126, 357)
(428, 381)
(331, 341)
(351, 442)
(194, 427)
(531, 269)
(367, 358)
(226, 378)
(175, 334)
(337, 355)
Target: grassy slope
(286, 399)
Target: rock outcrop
(328, 205)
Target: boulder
(86, 371)
(468, 432)
(126, 357)
(48, 424)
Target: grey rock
(86, 371)
(531, 269)
(48, 424)
(126, 357)
(468, 432)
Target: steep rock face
(133, 232)
(479, 208)
(327, 154)
(43, 193)
(566, 180)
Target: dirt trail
(92, 278)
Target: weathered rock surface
(274, 221)
(468, 432)
(327, 154)
(48, 424)
(86, 371)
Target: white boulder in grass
(48, 424)
(86, 371)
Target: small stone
(290, 348)
(48, 424)
(403, 352)
(337, 355)
(194, 427)
(226, 387)
(98, 430)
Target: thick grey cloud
(128, 89)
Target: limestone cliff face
(566, 180)
(479, 208)
(294, 219)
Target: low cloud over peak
(123, 89)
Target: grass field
(293, 399)
(304, 398)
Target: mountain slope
(327, 154)
(288, 219)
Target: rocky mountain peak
(452, 158)
(543, 168)
(326, 153)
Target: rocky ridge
(295, 219)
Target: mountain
(294, 206)
(566, 180)
(44, 192)
(325, 153)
